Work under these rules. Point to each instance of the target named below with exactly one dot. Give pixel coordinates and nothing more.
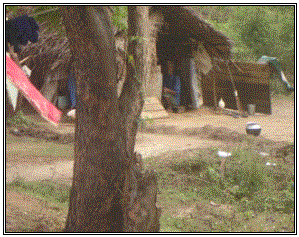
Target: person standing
(171, 90)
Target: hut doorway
(183, 72)
(177, 48)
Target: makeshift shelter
(192, 44)
(201, 54)
(176, 33)
(251, 80)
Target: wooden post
(238, 102)
(214, 93)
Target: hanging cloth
(274, 63)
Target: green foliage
(19, 120)
(256, 30)
(120, 17)
(12, 9)
(142, 122)
(248, 179)
(51, 16)
(245, 198)
(48, 15)
(253, 184)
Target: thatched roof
(52, 50)
(185, 19)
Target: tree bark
(109, 193)
(132, 98)
(140, 190)
(99, 151)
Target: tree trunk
(131, 98)
(140, 190)
(95, 204)
(109, 193)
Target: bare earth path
(22, 153)
(147, 144)
(279, 126)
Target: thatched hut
(175, 33)
(183, 37)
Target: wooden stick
(238, 102)
(239, 69)
(44, 12)
(222, 167)
(214, 92)
(24, 60)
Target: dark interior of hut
(176, 45)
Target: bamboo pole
(238, 102)
(239, 69)
(214, 93)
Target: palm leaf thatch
(52, 53)
(184, 20)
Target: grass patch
(197, 196)
(25, 148)
(250, 196)
(36, 206)
(39, 149)
(19, 120)
(48, 190)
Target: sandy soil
(279, 126)
(35, 158)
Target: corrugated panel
(252, 85)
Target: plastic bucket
(251, 109)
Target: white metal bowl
(253, 128)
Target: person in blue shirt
(171, 89)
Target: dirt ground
(279, 126)
(48, 152)
(195, 129)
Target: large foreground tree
(109, 192)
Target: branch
(44, 12)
